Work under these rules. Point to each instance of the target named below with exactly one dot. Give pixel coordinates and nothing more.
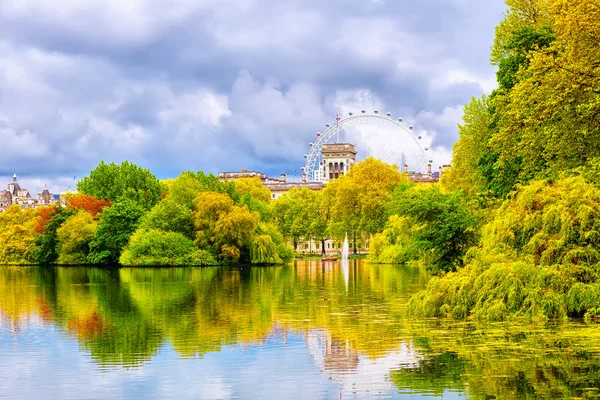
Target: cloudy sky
(225, 84)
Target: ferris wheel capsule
(389, 114)
(400, 120)
(363, 111)
(311, 144)
(350, 114)
(328, 124)
(375, 111)
(301, 168)
(420, 137)
(411, 127)
(426, 149)
(306, 156)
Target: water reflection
(318, 330)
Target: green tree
(46, 244)
(114, 183)
(536, 259)
(186, 187)
(116, 226)
(158, 247)
(293, 213)
(169, 216)
(444, 229)
(223, 227)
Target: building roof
(285, 186)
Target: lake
(309, 330)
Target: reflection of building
(356, 374)
(18, 195)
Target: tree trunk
(355, 252)
(323, 252)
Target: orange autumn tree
(44, 216)
(88, 203)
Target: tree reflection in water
(356, 334)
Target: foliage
(186, 187)
(356, 200)
(293, 212)
(396, 244)
(536, 259)
(435, 227)
(465, 173)
(156, 247)
(222, 227)
(16, 245)
(90, 204)
(42, 219)
(46, 244)
(116, 225)
(255, 187)
(115, 183)
(169, 216)
(74, 237)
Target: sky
(225, 85)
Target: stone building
(336, 161)
(18, 195)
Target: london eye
(373, 135)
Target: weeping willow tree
(537, 259)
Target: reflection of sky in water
(41, 361)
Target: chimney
(406, 168)
(303, 177)
(282, 178)
(429, 169)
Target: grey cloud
(224, 84)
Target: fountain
(345, 249)
(345, 270)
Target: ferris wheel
(374, 135)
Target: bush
(156, 247)
(537, 259)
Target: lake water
(303, 331)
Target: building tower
(338, 158)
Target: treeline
(122, 214)
(526, 164)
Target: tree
(169, 216)
(224, 228)
(157, 247)
(469, 149)
(74, 237)
(444, 229)
(356, 200)
(16, 245)
(537, 258)
(116, 226)
(42, 219)
(90, 204)
(126, 181)
(293, 214)
(186, 187)
(255, 187)
(46, 244)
